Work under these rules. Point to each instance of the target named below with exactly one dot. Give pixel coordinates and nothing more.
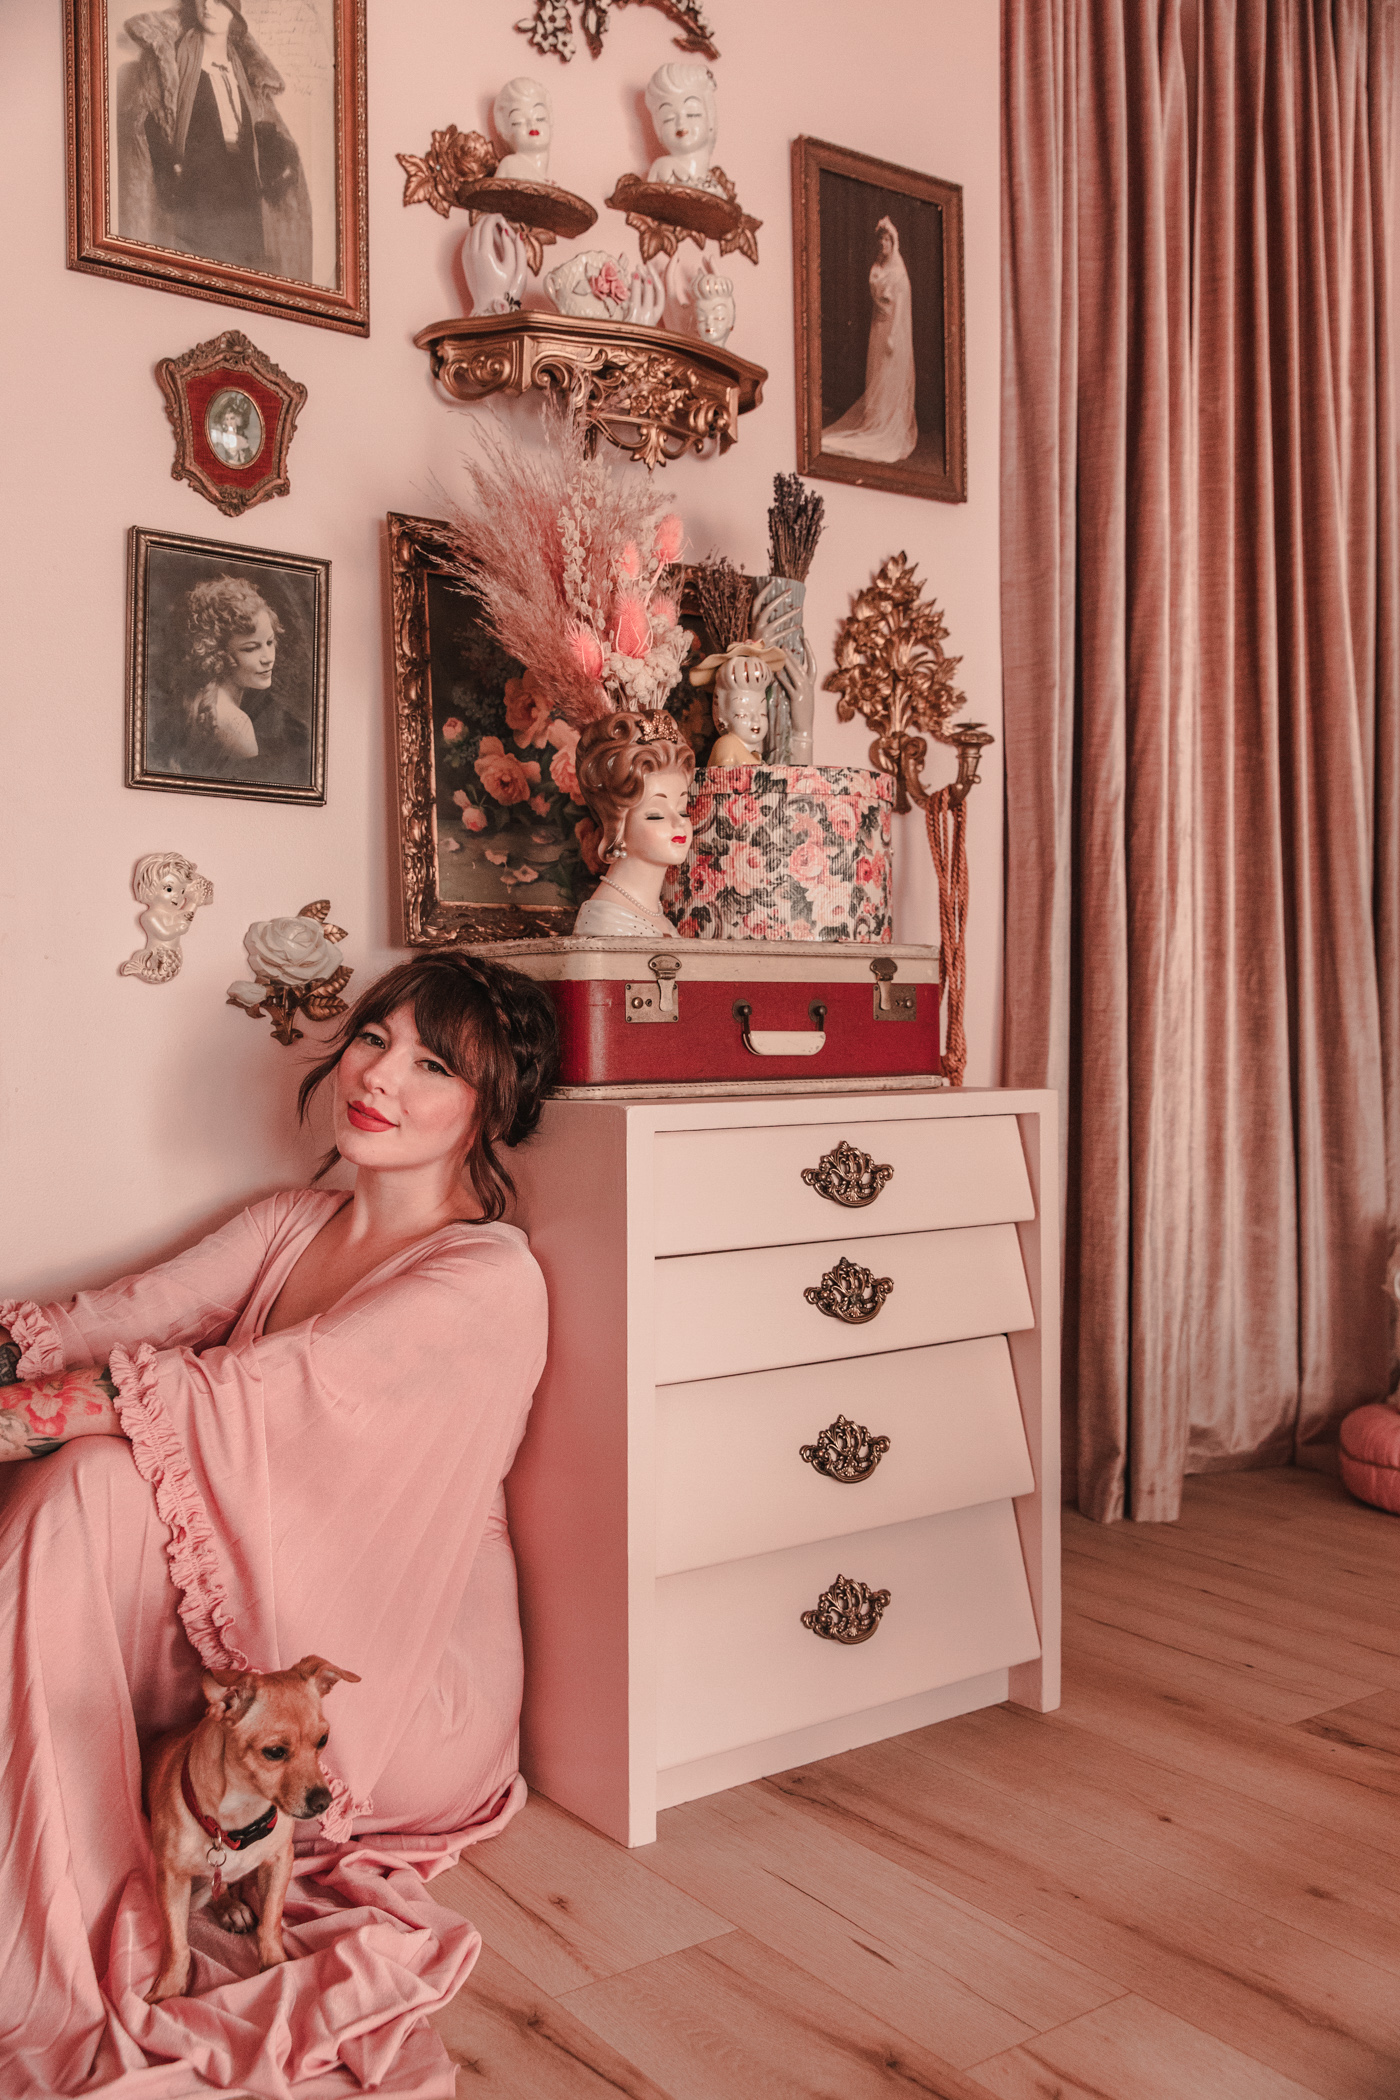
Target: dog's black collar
(235, 1840)
(251, 1832)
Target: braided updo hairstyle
(492, 1026)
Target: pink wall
(130, 1115)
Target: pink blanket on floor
(323, 1490)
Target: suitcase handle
(782, 1042)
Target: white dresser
(791, 1480)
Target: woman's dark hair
(492, 1026)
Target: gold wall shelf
(652, 394)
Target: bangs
(492, 1028)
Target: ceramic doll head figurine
(681, 100)
(741, 676)
(524, 121)
(740, 711)
(714, 307)
(634, 773)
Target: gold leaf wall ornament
(893, 670)
(455, 161)
(663, 214)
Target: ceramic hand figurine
(713, 299)
(741, 675)
(777, 621)
(494, 264)
(524, 121)
(647, 302)
(634, 773)
(172, 890)
(681, 100)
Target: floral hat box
(659, 1013)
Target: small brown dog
(209, 1790)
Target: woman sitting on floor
(291, 1438)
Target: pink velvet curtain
(1201, 633)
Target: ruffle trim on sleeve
(37, 1336)
(162, 1463)
(338, 1822)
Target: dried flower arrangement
(573, 562)
(724, 599)
(794, 527)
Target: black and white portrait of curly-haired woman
(224, 133)
(229, 671)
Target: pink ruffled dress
(334, 1489)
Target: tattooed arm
(36, 1418)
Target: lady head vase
(681, 100)
(741, 675)
(713, 296)
(524, 119)
(634, 773)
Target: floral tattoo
(47, 1412)
(10, 1353)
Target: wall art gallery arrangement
(200, 159)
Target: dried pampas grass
(571, 561)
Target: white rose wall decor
(295, 970)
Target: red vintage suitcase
(646, 1012)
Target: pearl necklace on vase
(643, 911)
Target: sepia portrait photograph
(217, 145)
(227, 676)
(881, 398)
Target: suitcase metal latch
(893, 1002)
(659, 1000)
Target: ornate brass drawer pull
(847, 1177)
(846, 1451)
(849, 1292)
(848, 1612)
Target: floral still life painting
(511, 825)
(495, 843)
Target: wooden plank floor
(1185, 1885)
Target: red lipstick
(365, 1118)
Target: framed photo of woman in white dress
(217, 148)
(881, 389)
(226, 684)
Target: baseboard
(802, 1746)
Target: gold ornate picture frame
(243, 181)
(491, 840)
(234, 414)
(881, 374)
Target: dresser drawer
(737, 1665)
(744, 1188)
(721, 1313)
(731, 1481)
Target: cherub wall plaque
(234, 414)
